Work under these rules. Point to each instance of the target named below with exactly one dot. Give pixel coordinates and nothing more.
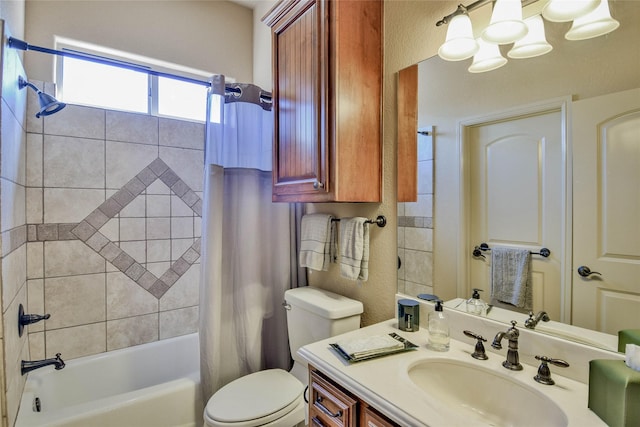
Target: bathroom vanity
(333, 405)
(427, 388)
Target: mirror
(433, 236)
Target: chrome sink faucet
(532, 321)
(30, 365)
(512, 334)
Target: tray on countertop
(372, 347)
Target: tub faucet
(532, 321)
(512, 334)
(30, 365)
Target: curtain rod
(22, 45)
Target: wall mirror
(488, 173)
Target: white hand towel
(317, 241)
(354, 248)
(511, 277)
(632, 356)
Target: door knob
(585, 271)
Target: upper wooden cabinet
(327, 92)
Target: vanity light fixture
(596, 23)
(534, 43)
(567, 10)
(506, 25)
(488, 58)
(460, 43)
(591, 19)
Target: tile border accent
(415, 221)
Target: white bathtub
(156, 384)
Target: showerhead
(48, 104)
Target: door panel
(606, 207)
(516, 193)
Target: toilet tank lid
(323, 303)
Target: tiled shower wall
(13, 348)
(113, 213)
(415, 228)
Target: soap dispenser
(438, 329)
(475, 305)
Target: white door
(606, 207)
(516, 182)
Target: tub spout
(30, 365)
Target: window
(112, 87)
(106, 86)
(181, 99)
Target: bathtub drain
(36, 405)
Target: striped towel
(317, 241)
(354, 248)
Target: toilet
(274, 397)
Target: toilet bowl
(274, 397)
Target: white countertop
(384, 382)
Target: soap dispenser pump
(475, 305)
(438, 329)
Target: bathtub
(156, 384)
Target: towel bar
(380, 221)
(477, 251)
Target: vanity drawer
(371, 418)
(329, 405)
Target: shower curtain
(246, 262)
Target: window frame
(155, 66)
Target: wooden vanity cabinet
(327, 93)
(329, 404)
(332, 405)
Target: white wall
(262, 71)
(13, 14)
(213, 36)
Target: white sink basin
(484, 396)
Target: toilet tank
(315, 314)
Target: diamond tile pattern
(88, 230)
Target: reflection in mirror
(520, 157)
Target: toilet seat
(255, 400)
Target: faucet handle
(60, 364)
(544, 373)
(479, 352)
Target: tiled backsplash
(415, 229)
(113, 207)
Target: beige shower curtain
(246, 245)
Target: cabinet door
(299, 53)
(329, 405)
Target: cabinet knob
(318, 185)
